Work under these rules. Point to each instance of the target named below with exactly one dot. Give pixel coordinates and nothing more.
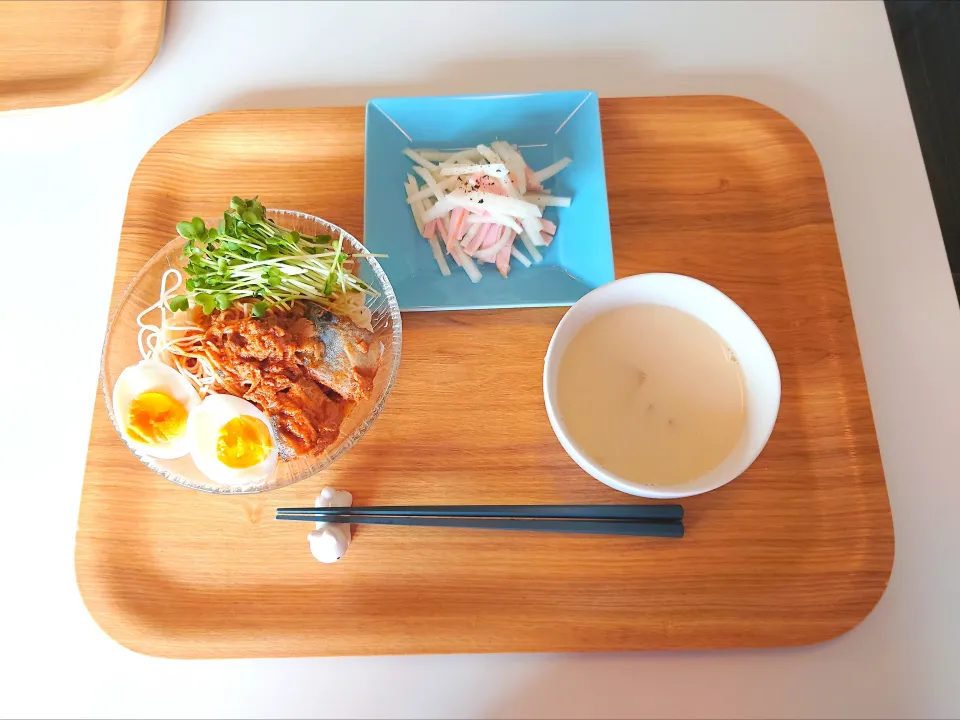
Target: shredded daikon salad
(479, 202)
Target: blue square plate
(546, 126)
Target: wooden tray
(796, 551)
(61, 52)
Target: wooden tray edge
(104, 86)
(146, 58)
(143, 643)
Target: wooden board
(796, 551)
(61, 52)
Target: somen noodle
(182, 342)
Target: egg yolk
(156, 418)
(244, 442)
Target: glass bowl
(120, 349)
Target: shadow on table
(704, 685)
(603, 73)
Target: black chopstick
(644, 528)
(558, 512)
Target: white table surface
(829, 66)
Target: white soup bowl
(761, 374)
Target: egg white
(153, 376)
(203, 431)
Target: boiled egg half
(230, 440)
(152, 403)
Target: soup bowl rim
(761, 372)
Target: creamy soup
(651, 394)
